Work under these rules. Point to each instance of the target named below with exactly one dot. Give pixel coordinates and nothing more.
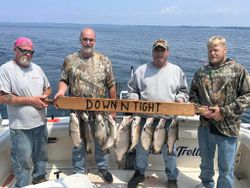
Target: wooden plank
(127, 106)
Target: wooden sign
(127, 106)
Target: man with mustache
(163, 81)
(88, 73)
(24, 86)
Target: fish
(147, 133)
(173, 132)
(74, 129)
(160, 134)
(86, 131)
(135, 132)
(100, 131)
(122, 142)
(112, 133)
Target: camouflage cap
(162, 43)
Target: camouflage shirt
(87, 77)
(227, 86)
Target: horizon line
(156, 25)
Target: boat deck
(188, 178)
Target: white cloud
(170, 10)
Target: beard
(88, 51)
(24, 61)
(216, 61)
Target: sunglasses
(31, 52)
(159, 49)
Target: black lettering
(151, 107)
(136, 103)
(197, 152)
(89, 104)
(180, 150)
(193, 152)
(113, 104)
(105, 104)
(144, 107)
(97, 104)
(157, 106)
(183, 150)
(189, 152)
(124, 105)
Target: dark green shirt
(227, 86)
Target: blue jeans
(79, 156)
(27, 145)
(226, 155)
(141, 162)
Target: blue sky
(129, 12)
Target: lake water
(126, 46)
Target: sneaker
(39, 180)
(200, 186)
(105, 175)
(136, 179)
(172, 184)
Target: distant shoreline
(87, 24)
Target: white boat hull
(188, 160)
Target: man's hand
(60, 93)
(113, 114)
(180, 100)
(214, 114)
(43, 97)
(38, 103)
(207, 114)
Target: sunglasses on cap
(24, 51)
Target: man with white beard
(24, 86)
(87, 73)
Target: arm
(239, 104)
(195, 98)
(110, 80)
(194, 91)
(182, 93)
(112, 95)
(62, 88)
(8, 98)
(112, 92)
(64, 80)
(110, 84)
(46, 93)
(237, 107)
(133, 91)
(11, 99)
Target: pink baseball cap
(23, 41)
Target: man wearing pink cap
(23, 87)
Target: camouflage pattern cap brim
(162, 43)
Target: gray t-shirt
(165, 84)
(27, 82)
